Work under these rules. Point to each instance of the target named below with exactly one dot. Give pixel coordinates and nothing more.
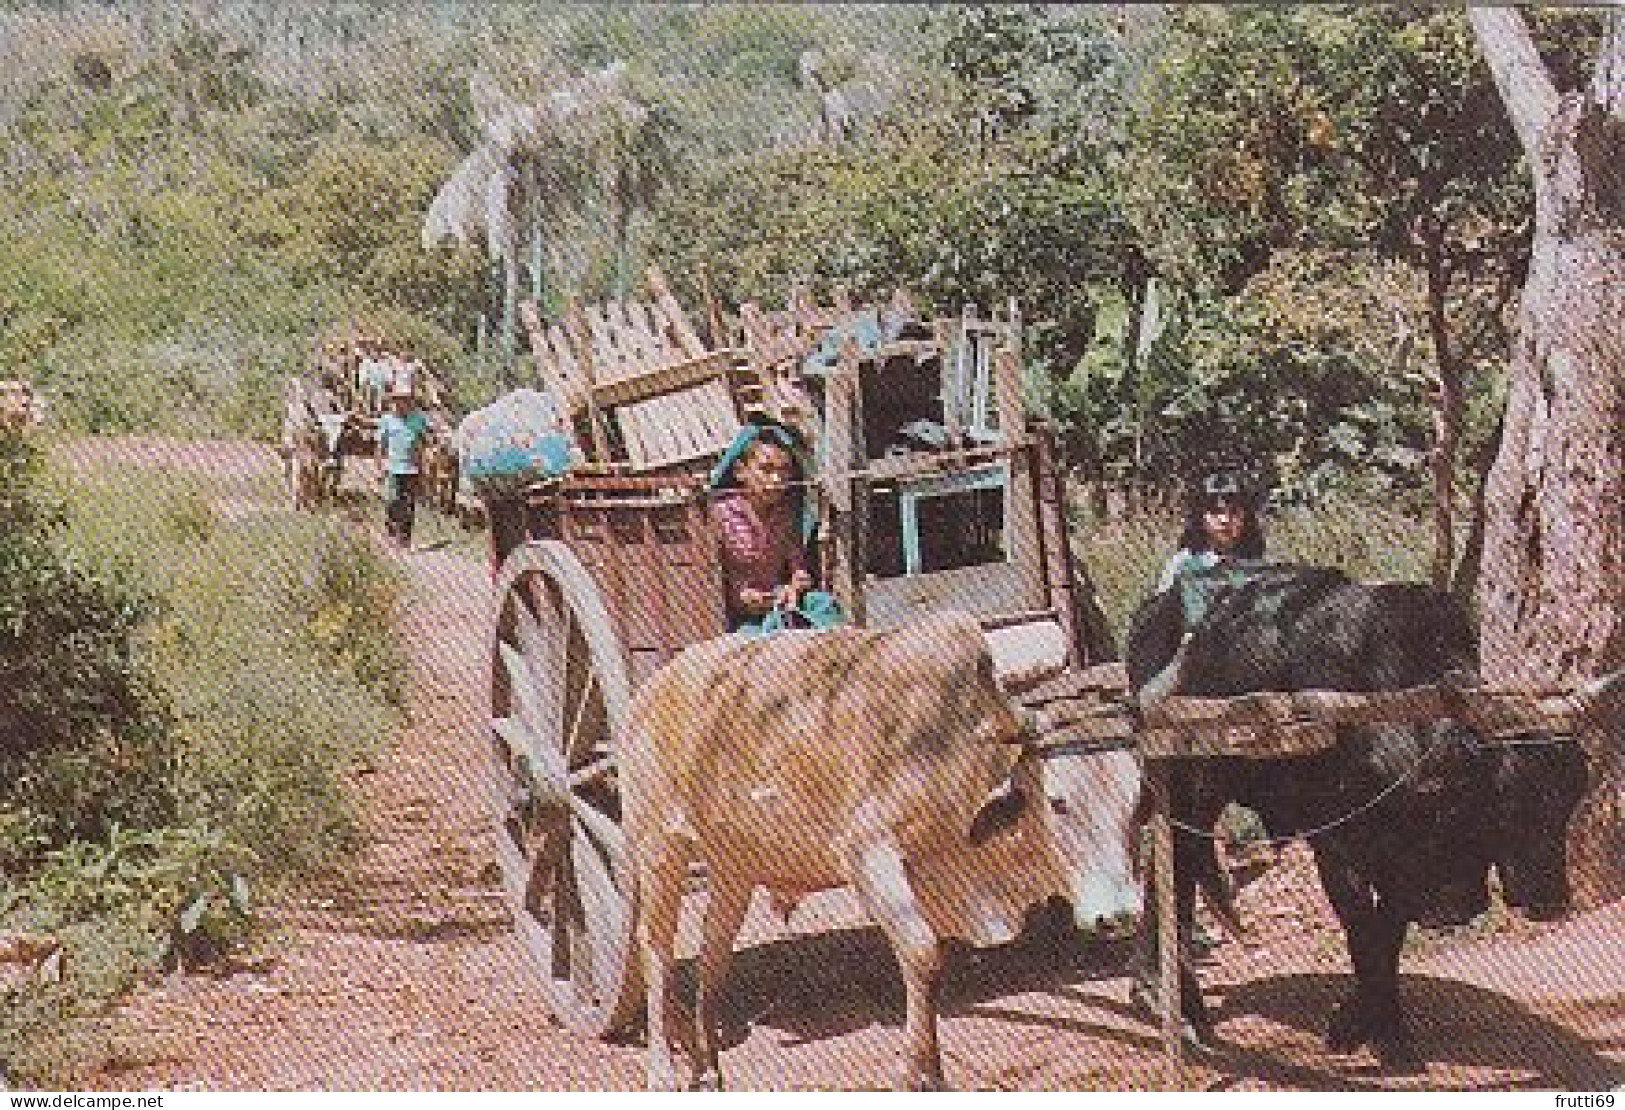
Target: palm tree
(585, 144)
(636, 153)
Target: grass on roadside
(274, 658)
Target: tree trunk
(1552, 589)
(1449, 401)
(510, 315)
(1130, 392)
(1464, 580)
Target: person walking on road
(401, 433)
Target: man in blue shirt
(401, 432)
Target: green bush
(82, 736)
(275, 650)
(262, 670)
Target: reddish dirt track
(406, 975)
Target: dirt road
(406, 976)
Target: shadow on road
(824, 985)
(1459, 1028)
(830, 984)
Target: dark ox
(1405, 820)
(804, 761)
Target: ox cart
(603, 576)
(935, 492)
(330, 412)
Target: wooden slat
(642, 319)
(767, 341)
(621, 344)
(925, 465)
(558, 377)
(687, 428)
(658, 416)
(717, 416)
(687, 339)
(917, 349)
(677, 427)
(665, 379)
(630, 421)
(607, 364)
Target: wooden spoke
(573, 743)
(558, 694)
(589, 773)
(602, 903)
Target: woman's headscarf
(722, 475)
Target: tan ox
(810, 760)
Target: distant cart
(329, 414)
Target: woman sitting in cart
(765, 522)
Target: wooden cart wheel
(559, 696)
(302, 479)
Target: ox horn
(1604, 698)
(1162, 684)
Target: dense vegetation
(181, 703)
(1276, 229)
(1290, 234)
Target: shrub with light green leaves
(258, 669)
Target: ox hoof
(1354, 1026)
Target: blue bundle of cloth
(517, 440)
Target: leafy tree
(1355, 129)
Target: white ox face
(1091, 815)
(332, 432)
